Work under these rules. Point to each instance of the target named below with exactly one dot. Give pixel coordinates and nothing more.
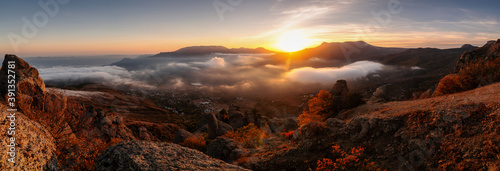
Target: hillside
(453, 132)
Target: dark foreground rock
(147, 155)
(34, 146)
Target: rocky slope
(453, 132)
(146, 155)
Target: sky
(96, 27)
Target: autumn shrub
(249, 136)
(287, 135)
(353, 160)
(317, 108)
(324, 105)
(469, 77)
(197, 141)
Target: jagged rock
(489, 51)
(212, 124)
(310, 130)
(112, 126)
(221, 148)
(334, 124)
(35, 147)
(288, 125)
(340, 88)
(223, 116)
(155, 131)
(272, 125)
(28, 81)
(147, 155)
(386, 93)
(223, 128)
(143, 134)
(182, 135)
(236, 118)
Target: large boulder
(35, 148)
(222, 148)
(288, 125)
(222, 128)
(386, 93)
(28, 81)
(236, 119)
(113, 126)
(147, 155)
(212, 124)
(340, 88)
(182, 135)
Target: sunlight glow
(292, 41)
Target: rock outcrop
(182, 135)
(386, 93)
(35, 148)
(236, 118)
(147, 155)
(340, 88)
(28, 81)
(489, 51)
(155, 131)
(222, 148)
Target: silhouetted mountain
(206, 50)
(337, 54)
(356, 51)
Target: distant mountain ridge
(205, 50)
(355, 51)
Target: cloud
(330, 74)
(216, 62)
(109, 75)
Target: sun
(292, 41)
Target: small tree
(318, 107)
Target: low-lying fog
(244, 73)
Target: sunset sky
(96, 27)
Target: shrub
(249, 136)
(288, 135)
(346, 161)
(318, 107)
(471, 76)
(197, 141)
(324, 105)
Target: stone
(182, 135)
(237, 119)
(28, 81)
(35, 147)
(223, 128)
(213, 125)
(340, 88)
(221, 148)
(147, 155)
(288, 125)
(386, 93)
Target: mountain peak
(206, 50)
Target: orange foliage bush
(318, 107)
(346, 161)
(287, 135)
(474, 74)
(196, 141)
(250, 136)
(324, 105)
